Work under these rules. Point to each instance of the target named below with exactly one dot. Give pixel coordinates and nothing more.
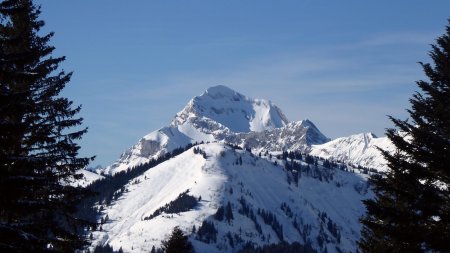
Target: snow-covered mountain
(358, 150)
(234, 188)
(261, 203)
(221, 114)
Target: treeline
(197, 150)
(323, 238)
(207, 232)
(294, 171)
(224, 212)
(282, 247)
(271, 220)
(294, 166)
(105, 249)
(248, 212)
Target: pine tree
(411, 210)
(228, 212)
(38, 153)
(177, 243)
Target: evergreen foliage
(220, 214)
(177, 243)
(248, 212)
(291, 155)
(38, 149)
(154, 250)
(230, 239)
(271, 220)
(282, 247)
(229, 212)
(309, 159)
(197, 150)
(234, 146)
(287, 209)
(411, 210)
(106, 249)
(207, 232)
(183, 203)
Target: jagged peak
(367, 135)
(233, 110)
(372, 135)
(307, 123)
(220, 91)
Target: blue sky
(344, 65)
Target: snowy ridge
(326, 207)
(88, 178)
(358, 150)
(295, 136)
(152, 145)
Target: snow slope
(88, 178)
(359, 149)
(220, 179)
(221, 114)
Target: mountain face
(237, 197)
(298, 136)
(357, 150)
(221, 114)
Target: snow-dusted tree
(411, 209)
(38, 153)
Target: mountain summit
(232, 110)
(221, 114)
